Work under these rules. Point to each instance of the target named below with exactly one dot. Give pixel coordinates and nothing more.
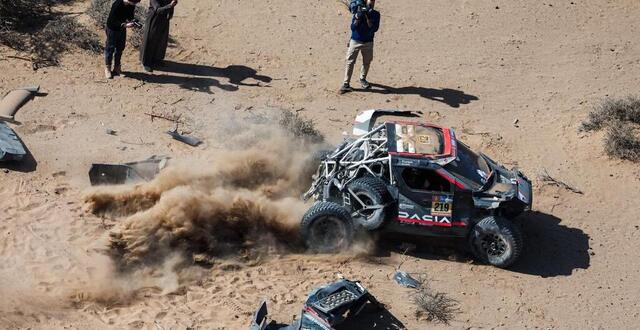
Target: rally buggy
(414, 178)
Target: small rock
(110, 131)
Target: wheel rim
(493, 245)
(328, 233)
(366, 214)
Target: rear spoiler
(367, 119)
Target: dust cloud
(242, 201)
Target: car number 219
(441, 205)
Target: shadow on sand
(26, 165)
(373, 317)
(237, 74)
(196, 84)
(201, 78)
(551, 249)
(451, 97)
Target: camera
(356, 5)
(361, 11)
(136, 24)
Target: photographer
(120, 19)
(364, 25)
(156, 33)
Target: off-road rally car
(412, 178)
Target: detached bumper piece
(146, 170)
(326, 308)
(11, 148)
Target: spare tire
(373, 193)
(327, 228)
(497, 241)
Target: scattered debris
(177, 101)
(11, 148)
(515, 122)
(325, 308)
(190, 140)
(173, 120)
(548, 179)
(404, 279)
(14, 100)
(146, 170)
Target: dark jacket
(360, 31)
(119, 15)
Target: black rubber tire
(496, 241)
(374, 191)
(315, 234)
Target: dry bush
(99, 12)
(435, 306)
(300, 127)
(611, 111)
(623, 141)
(621, 118)
(58, 37)
(33, 26)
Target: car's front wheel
(327, 228)
(497, 241)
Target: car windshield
(469, 167)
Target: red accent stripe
(447, 141)
(424, 222)
(451, 179)
(317, 317)
(432, 223)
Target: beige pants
(355, 47)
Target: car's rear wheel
(369, 204)
(497, 241)
(327, 228)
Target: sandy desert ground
(474, 65)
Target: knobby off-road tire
(497, 241)
(327, 228)
(373, 192)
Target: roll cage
(378, 150)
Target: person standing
(120, 19)
(364, 25)
(156, 33)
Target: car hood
(503, 185)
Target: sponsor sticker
(441, 205)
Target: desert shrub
(623, 141)
(99, 12)
(435, 306)
(299, 127)
(58, 36)
(33, 26)
(611, 111)
(621, 119)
